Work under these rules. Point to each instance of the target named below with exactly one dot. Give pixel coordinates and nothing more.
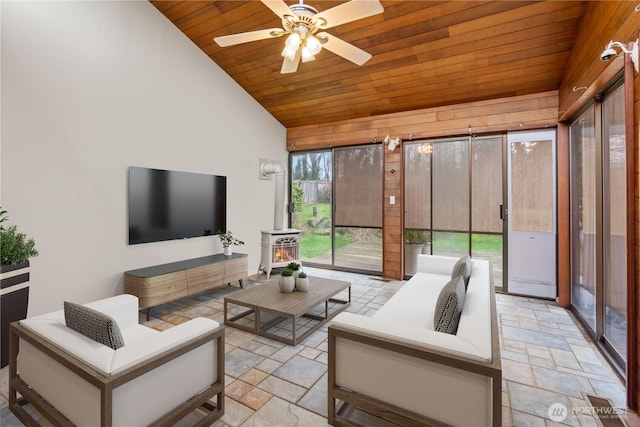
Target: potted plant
(414, 242)
(228, 240)
(295, 268)
(287, 282)
(15, 250)
(302, 282)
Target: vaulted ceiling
(425, 54)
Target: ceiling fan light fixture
(293, 41)
(289, 53)
(306, 54)
(301, 24)
(313, 44)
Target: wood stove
(279, 248)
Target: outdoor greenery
(297, 194)
(459, 242)
(316, 240)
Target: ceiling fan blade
(347, 12)
(344, 49)
(290, 66)
(250, 36)
(278, 7)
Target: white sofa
(155, 378)
(394, 363)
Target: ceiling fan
(304, 26)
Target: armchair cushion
(93, 324)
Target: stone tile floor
(546, 361)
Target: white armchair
(156, 378)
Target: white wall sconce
(609, 52)
(392, 143)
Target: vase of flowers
(228, 240)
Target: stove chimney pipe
(267, 169)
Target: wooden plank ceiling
(425, 54)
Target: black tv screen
(168, 205)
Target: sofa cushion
(449, 306)
(462, 268)
(93, 324)
(415, 302)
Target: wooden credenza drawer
(202, 278)
(157, 290)
(235, 269)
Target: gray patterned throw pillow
(93, 324)
(449, 306)
(462, 268)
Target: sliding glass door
(615, 222)
(358, 211)
(584, 215)
(487, 203)
(311, 197)
(453, 192)
(492, 197)
(598, 221)
(450, 203)
(417, 205)
(335, 197)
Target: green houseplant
(294, 267)
(15, 247)
(15, 250)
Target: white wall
(91, 88)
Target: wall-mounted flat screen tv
(168, 205)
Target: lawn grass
(459, 242)
(311, 243)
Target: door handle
(502, 212)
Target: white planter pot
(411, 252)
(287, 284)
(228, 251)
(302, 284)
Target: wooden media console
(159, 284)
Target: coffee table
(265, 311)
